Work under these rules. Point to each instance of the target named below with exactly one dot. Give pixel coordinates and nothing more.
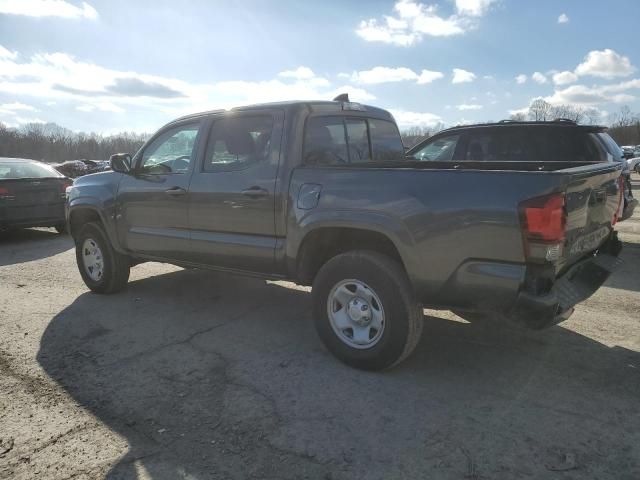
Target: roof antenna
(343, 97)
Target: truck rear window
(336, 140)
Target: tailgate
(592, 199)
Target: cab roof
(314, 106)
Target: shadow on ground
(26, 245)
(212, 376)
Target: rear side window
(236, 143)
(494, 146)
(563, 145)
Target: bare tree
(53, 143)
(540, 110)
(416, 134)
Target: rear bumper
(574, 286)
(38, 216)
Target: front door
(152, 210)
(232, 195)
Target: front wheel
(102, 268)
(365, 311)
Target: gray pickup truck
(321, 193)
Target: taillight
(66, 183)
(620, 207)
(543, 221)
(4, 191)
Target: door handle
(175, 191)
(255, 192)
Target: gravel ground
(197, 375)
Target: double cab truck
(322, 194)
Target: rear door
(233, 192)
(152, 200)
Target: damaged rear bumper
(574, 286)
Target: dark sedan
(32, 194)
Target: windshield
(15, 170)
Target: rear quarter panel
(437, 219)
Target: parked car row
(78, 168)
(508, 221)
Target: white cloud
(520, 79)
(469, 106)
(428, 76)
(409, 119)
(462, 76)
(411, 22)
(591, 96)
(539, 78)
(300, 73)
(384, 75)
(563, 18)
(17, 106)
(48, 8)
(101, 106)
(564, 78)
(388, 75)
(23, 120)
(4, 53)
(605, 64)
(59, 77)
(474, 8)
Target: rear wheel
(365, 311)
(102, 268)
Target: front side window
(441, 149)
(171, 152)
(236, 143)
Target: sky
(121, 65)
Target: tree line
(50, 142)
(624, 126)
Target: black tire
(116, 267)
(403, 317)
(61, 228)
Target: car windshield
(15, 170)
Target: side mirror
(120, 162)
